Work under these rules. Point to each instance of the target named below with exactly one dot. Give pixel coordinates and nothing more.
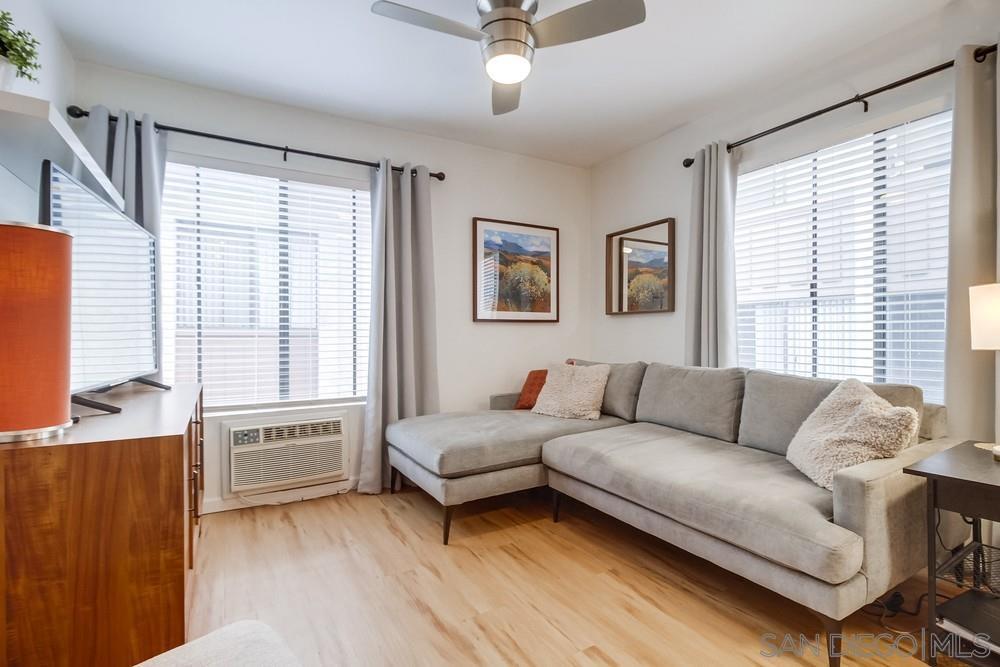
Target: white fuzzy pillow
(573, 392)
(852, 425)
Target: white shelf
(32, 130)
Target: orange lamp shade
(35, 287)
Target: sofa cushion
(776, 405)
(455, 444)
(700, 400)
(622, 391)
(747, 497)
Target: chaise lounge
(458, 457)
(698, 460)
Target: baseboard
(212, 505)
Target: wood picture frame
(611, 299)
(502, 246)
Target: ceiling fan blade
(506, 97)
(424, 19)
(591, 19)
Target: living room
(724, 389)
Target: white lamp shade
(984, 310)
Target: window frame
(880, 294)
(199, 160)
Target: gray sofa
(696, 457)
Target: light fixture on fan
(510, 47)
(509, 34)
(508, 68)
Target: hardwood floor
(352, 580)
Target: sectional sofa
(696, 457)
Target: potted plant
(18, 53)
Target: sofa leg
(393, 478)
(834, 634)
(448, 510)
(556, 501)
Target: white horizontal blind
(114, 288)
(267, 286)
(842, 259)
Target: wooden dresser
(99, 532)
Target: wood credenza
(99, 532)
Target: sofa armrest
(887, 508)
(934, 422)
(503, 401)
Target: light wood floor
(365, 580)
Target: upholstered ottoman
(461, 456)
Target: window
(266, 286)
(842, 259)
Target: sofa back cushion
(622, 391)
(706, 401)
(776, 405)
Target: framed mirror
(639, 269)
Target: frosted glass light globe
(508, 68)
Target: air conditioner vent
(281, 432)
(287, 455)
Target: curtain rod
(77, 112)
(861, 98)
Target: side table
(963, 479)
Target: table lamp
(984, 313)
(35, 289)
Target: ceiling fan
(509, 34)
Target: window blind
(842, 259)
(266, 286)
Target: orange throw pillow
(529, 392)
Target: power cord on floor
(892, 606)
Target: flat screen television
(114, 337)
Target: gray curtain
(710, 319)
(134, 156)
(972, 238)
(402, 353)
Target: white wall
(649, 183)
(475, 359)
(19, 201)
(56, 77)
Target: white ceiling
(583, 102)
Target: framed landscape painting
(515, 272)
(646, 271)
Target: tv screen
(114, 284)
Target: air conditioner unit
(287, 455)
